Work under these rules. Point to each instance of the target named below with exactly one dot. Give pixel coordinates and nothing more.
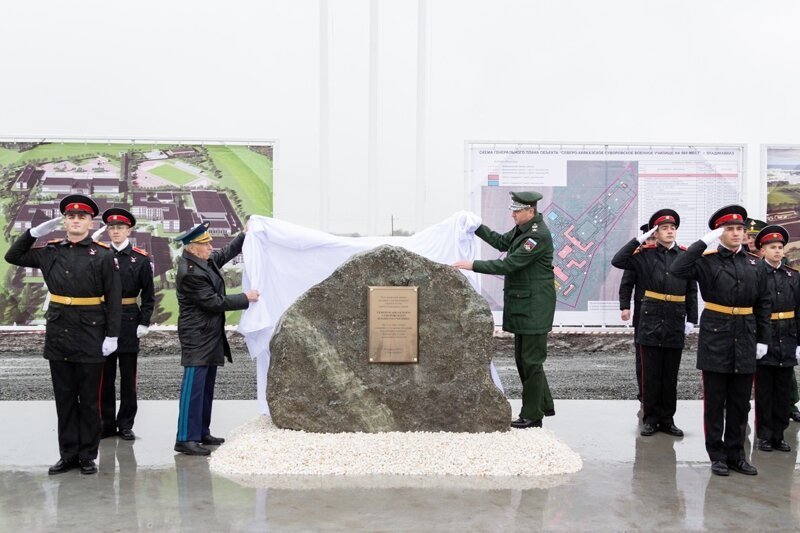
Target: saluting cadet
(138, 301)
(83, 321)
(628, 286)
(668, 314)
(529, 300)
(734, 329)
(201, 329)
(774, 370)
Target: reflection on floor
(628, 482)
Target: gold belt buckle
(668, 297)
(68, 300)
(780, 315)
(735, 310)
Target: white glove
(109, 346)
(712, 235)
(797, 353)
(761, 350)
(687, 328)
(96, 234)
(45, 227)
(141, 331)
(644, 236)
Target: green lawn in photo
(785, 194)
(173, 174)
(57, 151)
(248, 173)
(7, 156)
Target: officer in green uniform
(530, 298)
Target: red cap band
(77, 206)
(119, 218)
(771, 237)
(735, 217)
(663, 220)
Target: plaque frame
(393, 324)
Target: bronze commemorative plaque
(393, 324)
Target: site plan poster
(595, 199)
(169, 187)
(781, 166)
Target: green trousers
(530, 352)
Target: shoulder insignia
(54, 241)
(140, 251)
(104, 245)
(710, 252)
(751, 254)
(682, 247)
(790, 269)
(637, 250)
(529, 244)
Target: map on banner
(168, 187)
(594, 200)
(782, 168)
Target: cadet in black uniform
(628, 286)
(668, 313)
(82, 323)
(774, 370)
(734, 328)
(138, 301)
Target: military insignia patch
(133, 259)
(116, 264)
(535, 227)
(752, 261)
(92, 251)
(529, 245)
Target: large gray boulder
(320, 377)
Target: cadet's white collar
(121, 246)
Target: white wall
(371, 100)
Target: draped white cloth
(283, 261)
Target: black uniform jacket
(727, 343)
(661, 323)
(783, 285)
(529, 293)
(202, 304)
(136, 273)
(628, 287)
(87, 268)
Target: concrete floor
(628, 482)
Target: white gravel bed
(259, 448)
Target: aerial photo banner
(595, 199)
(168, 186)
(780, 165)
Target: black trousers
(659, 383)
(127, 392)
(726, 404)
(773, 393)
(638, 362)
(76, 388)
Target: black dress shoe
(108, 433)
(647, 430)
(62, 466)
(719, 468)
(127, 434)
(764, 445)
(88, 467)
(671, 429)
(781, 445)
(191, 448)
(794, 415)
(743, 467)
(524, 423)
(211, 440)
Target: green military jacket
(529, 290)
